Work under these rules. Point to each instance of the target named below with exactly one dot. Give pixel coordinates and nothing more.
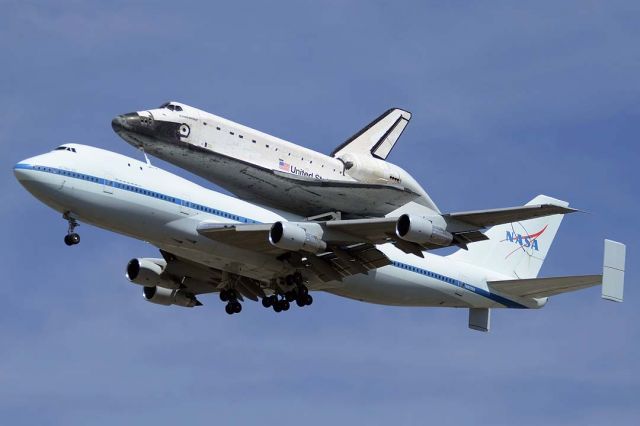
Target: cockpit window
(65, 148)
(171, 107)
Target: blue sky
(509, 100)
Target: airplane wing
(195, 278)
(348, 246)
(343, 257)
(487, 218)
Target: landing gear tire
(277, 307)
(224, 295)
(300, 302)
(267, 302)
(285, 305)
(229, 309)
(290, 296)
(237, 307)
(72, 239)
(308, 300)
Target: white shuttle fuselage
(355, 180)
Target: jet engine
(150, 273)
(166, 297)
(294, 237)
(419, 230)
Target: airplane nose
(20, 171)
(125, 122)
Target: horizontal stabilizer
(544, 287)
(612, 279)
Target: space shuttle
(354, 181)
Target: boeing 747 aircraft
(355, 180)
(213, 243)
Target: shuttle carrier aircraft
(214, 243)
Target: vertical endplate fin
(479, 319)
(613, 271)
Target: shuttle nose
(125, 122)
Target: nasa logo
(526, 241)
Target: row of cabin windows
(216, 212)
(266, 146)
(428, 273)
(137, 190)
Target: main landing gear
(298, 292)
(71, 239)
(231, 297)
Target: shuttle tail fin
(378, 137)
(516, 249)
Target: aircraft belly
(263, 186)
(385, 286)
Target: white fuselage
(130, 197)
(261, 167)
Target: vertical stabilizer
(516, 249)
(378, 137)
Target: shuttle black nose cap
(125, 121)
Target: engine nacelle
(149, 273)
(419, 230)
(294, 237)
(166, 297)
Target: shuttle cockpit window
(171, 107)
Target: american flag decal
(282, 165)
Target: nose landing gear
(72, 238)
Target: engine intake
(166, 297)
(149, 273)
(420, 230)
(293, 237)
